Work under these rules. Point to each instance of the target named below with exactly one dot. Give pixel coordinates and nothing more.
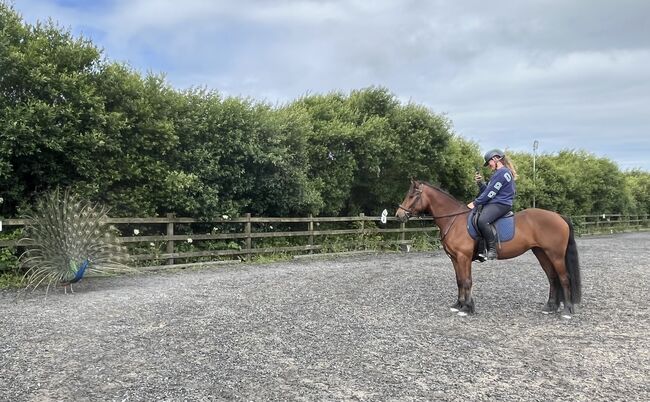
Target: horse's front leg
(461, 293)
(459, 304)
(465, 303)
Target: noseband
(410, 213)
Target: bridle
(410, 213)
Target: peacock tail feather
(61, 233)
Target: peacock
(77, 273)
(67, 238)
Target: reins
(433, 216)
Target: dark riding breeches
(489, 214)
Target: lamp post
(535, 145)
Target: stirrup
(492, 255)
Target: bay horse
(548, 234)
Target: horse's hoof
(549, 309)
(462, 314)
(566, 316)
(453, 309)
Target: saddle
(503, 229)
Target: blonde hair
(507, 163)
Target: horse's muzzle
(402, 216)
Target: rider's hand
(470, 205)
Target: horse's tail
(573, 265)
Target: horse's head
(412, 204)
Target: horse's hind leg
(555, 288)
(566, 286)
(557, 260)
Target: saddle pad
(505, 227)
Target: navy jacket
(500, 189)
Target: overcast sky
(570, 74)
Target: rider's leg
(490, 213)
(481, 254)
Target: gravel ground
(373, 327)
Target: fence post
(600, 223)
(247, 231)
(310, 229)
(170, 233)
(403, 246)
(363, 226)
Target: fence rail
(609, 223)
(249, 233)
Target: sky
(569, 74)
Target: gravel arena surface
(369, 327)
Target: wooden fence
(247, 235)
(171, 237)
(609, 223)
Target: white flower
(225, 216)
(270, 227)
(189, 240)
(136, 232)
(152, 244)
(2, 200)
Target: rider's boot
(491, 242)
(481, 253)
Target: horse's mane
(443, 191)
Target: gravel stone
(366, 327)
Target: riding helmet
(491, 154)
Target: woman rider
(495, 198)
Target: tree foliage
(71, 118)
(579, 183)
